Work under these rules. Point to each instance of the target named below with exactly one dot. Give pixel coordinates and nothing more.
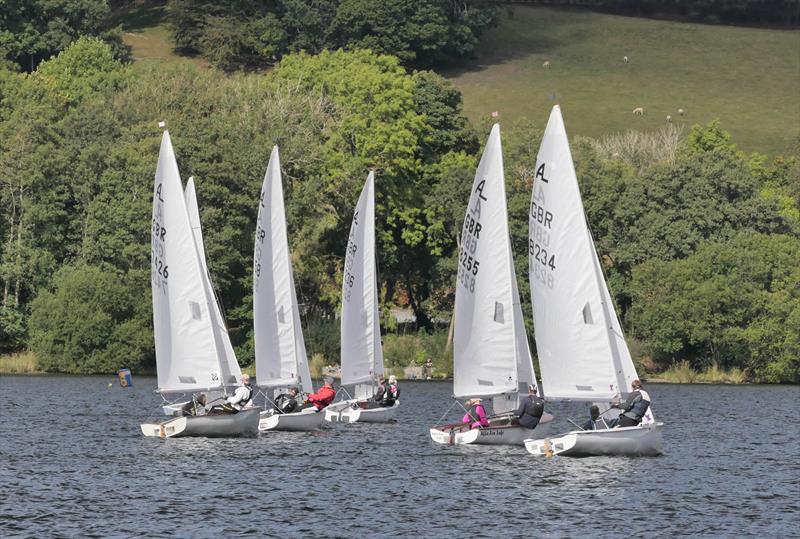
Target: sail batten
(279, 346)
(361, 350)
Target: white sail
(230, 366)
(491, 355)
(581, 348)
(279, 346)
(187, 350)
(361, 351)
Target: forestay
(229, 365)
(491, 353)
(279, 346)
(361, 351)
(188, 350)
(581, 348)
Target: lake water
(73, 463)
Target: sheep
(669, 119)
(680, 112)
(625, 59)
(546, 64)
(638, 111)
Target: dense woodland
(700, 240)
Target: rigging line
(455, 401)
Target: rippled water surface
(73, 463)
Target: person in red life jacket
(476, 415)
(323, 397)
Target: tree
(730, 303)
(85, 324)
(35, 30)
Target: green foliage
(34, 30)
(13, 325)
(400, 351)
(730, 303)
(247, 33)
(85, 325)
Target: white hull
(308, 419)
(491, 435)
(640, 441)
(349, 412)
(244, 423)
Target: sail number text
(349, 276)
(159, 272)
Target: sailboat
(491, 356)
(361, 351)
(582, 351)
(190, 337)
(280, 350)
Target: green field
(748, 78)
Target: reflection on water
(74, 464)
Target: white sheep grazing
(625, 59)
(669, 119)
(546, 64)
(680, 112)
(639, 111)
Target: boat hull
(304, 420)
(349, 412)
(491, 435)
(639, 441)
(243, 423)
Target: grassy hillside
(748, 78)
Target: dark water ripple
(74, 464)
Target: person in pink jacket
(476, 415)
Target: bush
(86, 324)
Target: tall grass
(640, 149)
(683, 373)
(20, 363)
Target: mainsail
(491, 354)
(581, 348)
(229, 365)
(361, 351)
(189, 350)
(279, 346)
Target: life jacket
(323, 397)
(639, 403)
(392, 392)
(640, 408)
(475, 417)
(537, 407)
(248, 397)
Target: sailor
(380, 392)
(594, 415)
(243, 397)
(286, 403)
(323, 397)
(530, 409)
(476, 415)
(392, 392)
(634, 407)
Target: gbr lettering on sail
(469, 265)
(540, 249)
